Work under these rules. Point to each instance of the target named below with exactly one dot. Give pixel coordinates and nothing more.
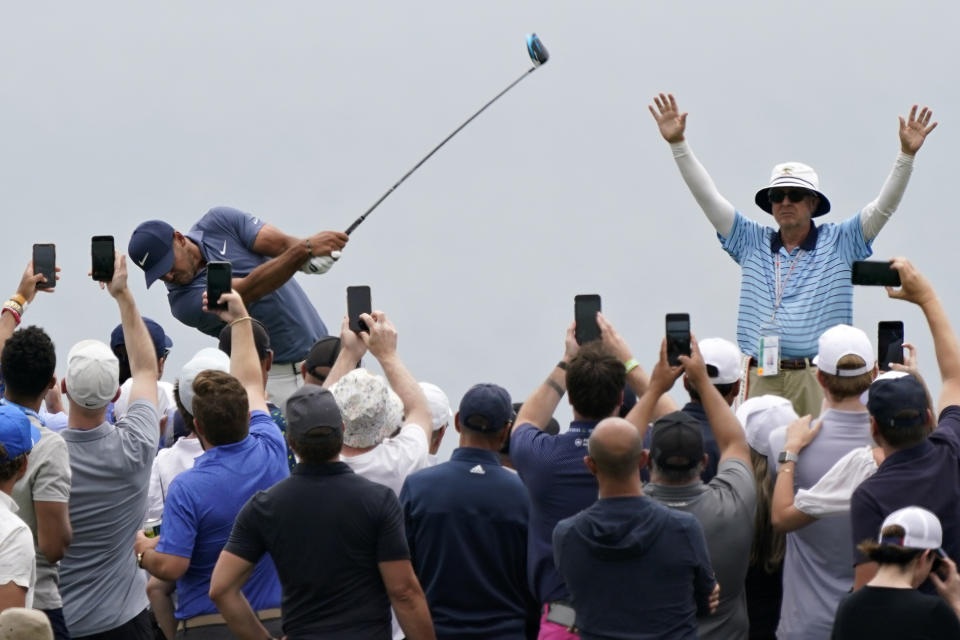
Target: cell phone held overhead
(585, 309)
(889, 343)
(358, 301)
(102, 258)
(45, 262)
(874, 273)
(219, 282)
(678, 337)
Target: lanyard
(781, 285)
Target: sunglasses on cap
(793, 195)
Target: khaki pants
(800, 386)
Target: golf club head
(538, 52)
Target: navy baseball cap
(17, 433)
(677, 441)
(312, 414)
(161, 341)
(898, 402)
(486, 407)
(151, 247)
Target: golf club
(538, 54)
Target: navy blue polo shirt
(926, 475)
(466, 522)
(559, 485)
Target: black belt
(791, 364)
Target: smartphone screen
(219, 282)
(358, 301)
(889, 343)
(585, 309)
(102, 252)
(45, 262)
(678, 337)
(874, 273)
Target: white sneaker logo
(144, 261)
(478, 470)
(223, 251)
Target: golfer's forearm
(271, 275)
(718, 210)
(875, 214)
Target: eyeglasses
(793, 195)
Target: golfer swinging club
(264, 260)
(795, 281)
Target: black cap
(312, 415)
(261, 339)
(677, 442)
(898, 402)
(323, 353)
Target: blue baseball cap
(161, 341)
(17, 433)
(486, 407)
(151, 247)
(898, 402)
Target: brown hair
(220, 408)
(769, 546)
(318, 452)
(10, 468)
(889, 553)
(595, 380)
(845, 387)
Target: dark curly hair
(28, 362)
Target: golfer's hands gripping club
(326, 247)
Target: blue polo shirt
(817, 293)
(559, 485)
(202, 504)
(228, 234)
(466, 522)
(926, 475)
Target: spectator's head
(314, 425)
(161, 344)
(595, 380)
(760, 415)
(207, 359)
(17, 437)
(793, 195)
(676, 449)
(29, 360)
(371, 410)
(615, 452)
(440, 413)
(723, 360)
(17, 623)
(900, 415)
(320, 360)
(220, 408)
(92, 380)
(484, 417)
(261, 340)
(909, 539)
(846, 362)
(164, 254)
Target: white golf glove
(320, 264)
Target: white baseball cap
(93, 374)
(725, 356)
(761, 415)
(206, 359)
(921, 528)
(844, 340)
(796, 175)
(439, 405)
(371, 409)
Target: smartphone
(45, 262)
(358, 301)
(678, 337)
(889, 343)
(585, 309)
(875, 273)
(219, 282)
(102, 252)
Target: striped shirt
(817, 292)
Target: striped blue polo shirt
(817, 293)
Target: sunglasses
(793, 195)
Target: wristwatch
(787, 456)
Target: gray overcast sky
(305, 112)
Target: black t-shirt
(326, 529)
(876, 613)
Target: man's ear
(456, 421)
(591, 465)
(52, 383)
(644, 458)
(268, 361)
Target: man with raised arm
(796, 279)
(104, 593)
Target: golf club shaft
(356, 223)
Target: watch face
(786, 457)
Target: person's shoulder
(219, 215)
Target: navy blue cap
(17, 433)
(151, 247)
(898, 402)
(312, 414)
(486, 407)
(161, 341)
(676, 441)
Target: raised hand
(914, 130)
(235, 309)
(914, 287)
(672, 123)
